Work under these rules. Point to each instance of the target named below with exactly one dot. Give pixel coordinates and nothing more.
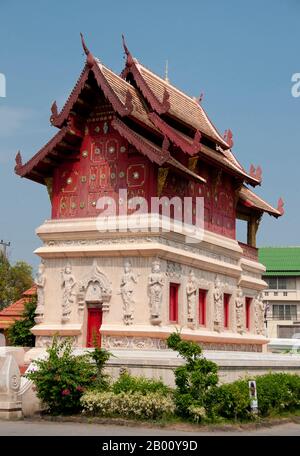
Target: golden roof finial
(167, 72)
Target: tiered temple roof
(154, 116)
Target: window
(281, 283)
(248, 309)
(226, 301)
(285, 311)
(202, 307)
(272, 282)
(173, 303)
(288, 332)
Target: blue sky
(240, 54)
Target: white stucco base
(153, 364)
(90, 254)
(161, 365)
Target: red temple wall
(107, 163)
(219, 198)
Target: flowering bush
(61, 378)
(197, 413)
(127, 405)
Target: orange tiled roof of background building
(15, 310)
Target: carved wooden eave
(32, 169)
(161, 179)
(249, 200)
(143, 145)
(189, 145)
(231, 167)
(159, 155)
(123, 109)
(186, 171)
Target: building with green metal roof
(282, 298)
(280, 261)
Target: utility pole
(3, 247)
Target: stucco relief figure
(126, 289)
(155, 285)
(68, 283)
(240, 312)
(218, 305)
(259, 312)
(191, 294)
(40, 282)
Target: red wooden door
(173, 303)
(248, 307)
(202, 307)
(226, 310)
(93, 327)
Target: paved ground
(34, 428)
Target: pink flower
(66, 392)
(80, 388)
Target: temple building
(122, 142)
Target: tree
(19, 333)
(14, 280)
(194, 379)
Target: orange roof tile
(14, 311)
(182, 106)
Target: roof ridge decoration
(199, 99)
(228, 137)
(192, 147)
(92, 64)
(280, 205)
(131, 66)
(19, 162)
(256, 173)
(90, 60)
(164, 106)
(58, 118)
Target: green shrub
(127, 405)
(194, 379)
(62, 377)
(229, 401)
(99, 357)
(277, 393)
(19, 333)
(127, 383)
